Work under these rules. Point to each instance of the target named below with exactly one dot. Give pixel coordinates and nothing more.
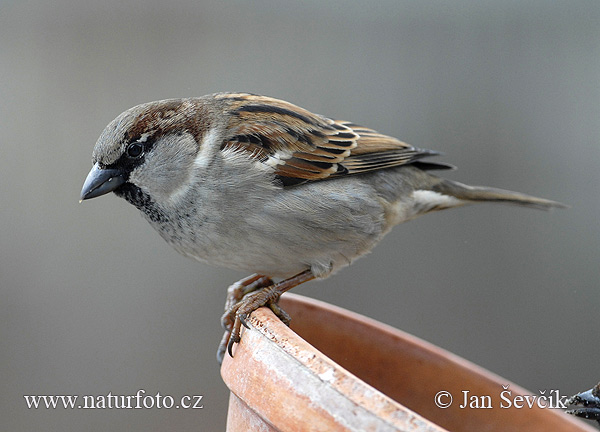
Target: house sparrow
(257, 184)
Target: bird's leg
(264, 296)
(589, 401)
(235, 293)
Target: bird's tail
(487, 194)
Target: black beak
(101, 181)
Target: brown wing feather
(302, 146)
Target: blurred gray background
(92, 300)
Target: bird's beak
(101, 181)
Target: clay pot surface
(335, 370)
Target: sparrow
(258, 184)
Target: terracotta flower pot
(335, 370)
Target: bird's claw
(247, 295)
(242, 318)
(588, 404)
(233, 318)
(232, 340)
(240, 312)
(280, 313)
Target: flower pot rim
(271, 356)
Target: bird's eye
(135, 150)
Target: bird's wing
(301, 146)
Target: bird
(258, 184)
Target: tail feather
(488, 194)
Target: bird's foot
(589, 401)
(235, 293)
(247, 295)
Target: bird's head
(148, 151)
